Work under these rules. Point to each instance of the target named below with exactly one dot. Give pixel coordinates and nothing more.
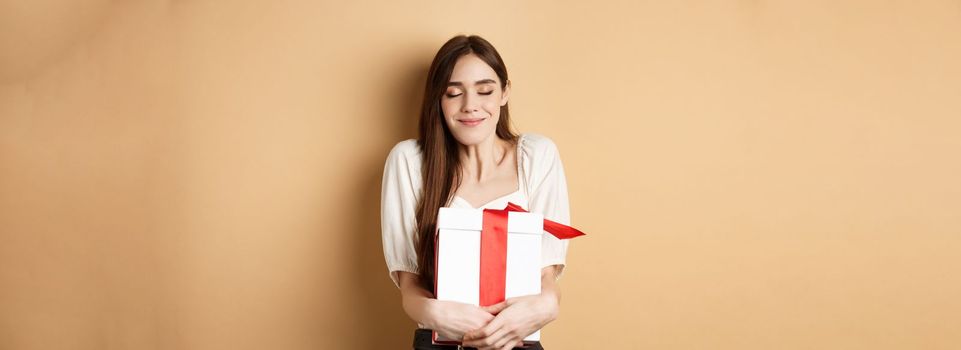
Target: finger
(501, 339)
(480, 337)
(483, 320)
(473, 339)
(496, 308)
(473, 334)
(492, 327)
(498, 339)
(508, 343)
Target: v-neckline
(492, 201)
(517, 160)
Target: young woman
(467, 156)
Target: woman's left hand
(516, 318)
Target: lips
(471, 121)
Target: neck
(479, 161)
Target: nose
(470, 104)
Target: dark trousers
(422, 341)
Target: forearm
(550, 290)
(520, 316)
(421, 306)
(417, 302)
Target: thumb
(496, 308)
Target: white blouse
(542, 189)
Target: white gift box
(459, 257)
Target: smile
(472, 121)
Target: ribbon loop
(556, 229)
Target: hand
(516, 318)
(449, 319)
(452, 319)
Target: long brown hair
(441, 166)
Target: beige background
(752, 174)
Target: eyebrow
(482, 81)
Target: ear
(507, 93)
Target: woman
(467, 156)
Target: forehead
(471, 68)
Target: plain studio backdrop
(751, 174)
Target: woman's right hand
(452, 319)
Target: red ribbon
(493, 250)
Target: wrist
(550, 304)
(419, 309)
(432, 314)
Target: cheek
(448, 107)
(492, 104)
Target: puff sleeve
(399, 194)
(548, 195)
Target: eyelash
(479, 93)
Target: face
(473, 100)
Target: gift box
(485, 256)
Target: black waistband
(423, 337)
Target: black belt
(423, 341)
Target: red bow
(493, 250)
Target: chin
(472, 137)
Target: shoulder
(405, 155)
(404, 150)
(537, 147)
(541, 163)
(406, 147)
